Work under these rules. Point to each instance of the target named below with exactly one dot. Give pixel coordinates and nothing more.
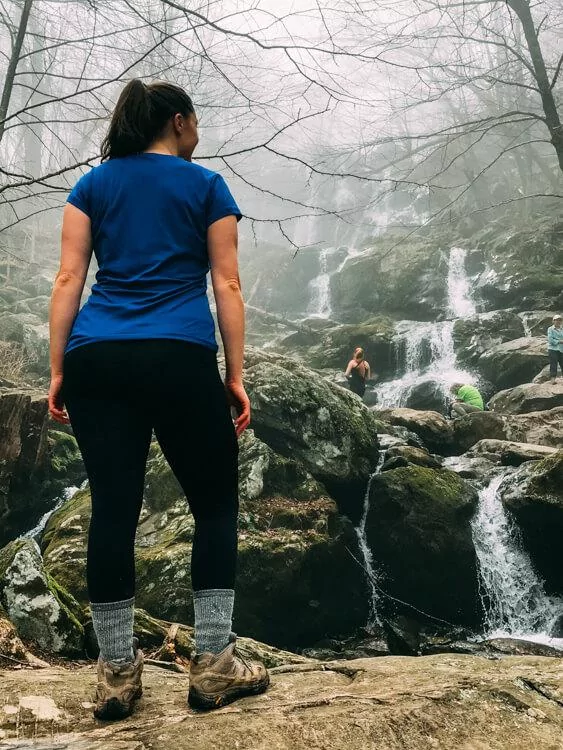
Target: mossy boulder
(39, 606)
(418, 528)
(322, 426)
(534, 495)
(292, 551)
(538, 427)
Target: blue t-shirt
(149, 216)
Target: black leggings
(555, 358)
(116, 393)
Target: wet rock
(537, 321)
(528, 397)
(304, 417)
(40, 608)
(477, 468)
(534, 496)
(433, 429)
(418, 528)
(514, 362)
(427, 396)
(477, 334)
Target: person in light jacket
(555, 346)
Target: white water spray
(513, 595)
(319, 304)
(67, 494)
(371, 575)
(419, 338)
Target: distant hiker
(358, 372)
(555, 346)
(468, 399)
(141, 355)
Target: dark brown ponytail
(141, 114)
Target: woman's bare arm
(222, 245)
(350, 367)
(76, 251)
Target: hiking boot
(219, 679)
(118, 686)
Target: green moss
(67, 602)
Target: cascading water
(319, 304)
(416, 339)
(513, 595)
(371, 574)
(67, 494)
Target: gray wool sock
(213, 610)
(113, 625)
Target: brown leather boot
(219, 679)
(119, 685)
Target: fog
(332, 122)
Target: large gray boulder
(514, 362)
(418, 528)
(534, 495)
(528, 397)
(40, 608)
(479, 333)
(540, 427)
(305, 417)
(508, 452)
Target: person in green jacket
(467, 399)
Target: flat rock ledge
(444, 701)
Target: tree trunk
(12, 66)
(552, 120)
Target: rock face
(388, 703)
(41, 609)
(35, 463)
(535, 496)
(476, 335)
(327, 429)
(410, 282)
(434, 430)
(528, 397)
(514, 362)
(292, 551)
(23, 460)
(418, 528)
(332, 346)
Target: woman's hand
(56, 404)
(238, 399)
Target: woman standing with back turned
(141, 355)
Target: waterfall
(319, 304)
(415, 339)
(525, 318)
(68, 493)
(513, 595)
(371, 574)
(460, 304)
